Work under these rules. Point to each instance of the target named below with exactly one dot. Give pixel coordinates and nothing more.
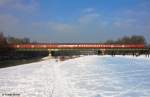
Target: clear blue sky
(75, 20)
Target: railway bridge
(82, 48)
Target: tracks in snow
(60, 84)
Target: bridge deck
(78, 46)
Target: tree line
(7, 53)
(5, 41)
(134, 39)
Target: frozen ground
(88, 76)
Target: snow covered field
(88, 76)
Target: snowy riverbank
(87, 76)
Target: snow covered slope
(88, 76)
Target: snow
(86, 76)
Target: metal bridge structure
(84, 48)
(77, 46)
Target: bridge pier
(49, 50)
(103, 51)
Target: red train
(76, 46)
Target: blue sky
(75, 20)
